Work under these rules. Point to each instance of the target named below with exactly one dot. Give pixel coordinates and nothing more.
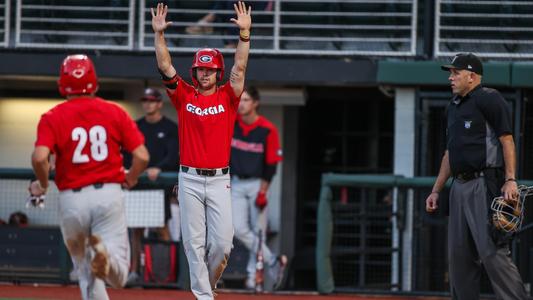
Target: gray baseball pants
(98, 212)
(248, 219)
(470, 246)
(207, 229)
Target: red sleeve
(130, 134)
(45, 133)
(176, 95)
(273, 152)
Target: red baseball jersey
(254, 146)
(205, 124)
(86, 134)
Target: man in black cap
(161, 140)
(480, 155)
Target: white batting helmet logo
(78, 73)
(205, 58)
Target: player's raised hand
(159, 23)
(244, 19)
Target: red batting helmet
(207, 58)
(77, 76)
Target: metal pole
(414, 22)
(142, 5)
(277, 24)
(131, 26)
(395, 263)
(18, 21)
(436, 35)
(7, 21)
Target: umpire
(480, 155)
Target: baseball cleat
(100, 262)
(282, 264)
(249, 284)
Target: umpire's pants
(470, 245)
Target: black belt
(245, 176)
(205, 172)
(467, 176)
(97, 185)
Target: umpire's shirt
(475, 122)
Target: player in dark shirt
(161, 140)
(255, 152)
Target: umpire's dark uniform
(474, 124)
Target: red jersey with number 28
(205, 124)
(86, 134)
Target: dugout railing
(4, 22)
(373, 234)
(334, 27)
(490, 28)
(105, 25)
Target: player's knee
(76, 245)
(220, 246)
(194, 247)
(243, 230)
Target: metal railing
(490, 28)
(4, 23)
(335, 27)
(332, 27)
(75, 24)
(373, 256)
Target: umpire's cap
(465, 61)
(151, 94)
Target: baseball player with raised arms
(255, 153)
(206, 116)
(86, 134)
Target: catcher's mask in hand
(508, 214)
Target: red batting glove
(261, 200)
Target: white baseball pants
(96, 211)
(207, 229)
(248, 219)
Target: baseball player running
(206, 115)
(86, 133)
(255, 152)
